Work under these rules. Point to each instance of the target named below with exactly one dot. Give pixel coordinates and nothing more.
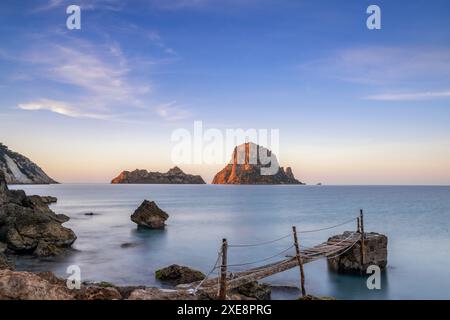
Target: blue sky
(352, 105)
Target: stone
(309, 297)
(27, 225)
(350, 262)
(29, 286)
(247, 167)
(18, 169)
(149, 215)
(5, 263)
(160, 294)
(176, 274)
(49, 199)
(254, 290)
(173, 176)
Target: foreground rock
(176, 274)
(28, 226)
(253, 164)
(350, 261)
(21, 170)
(15, 285)
(254, 290)
(173, 176)
(314, 298)
(4, 263)
(49, 199)
(149, 215)
(46, 286)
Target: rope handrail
(256, 244)
(210, 272)
(341, 253)
(261, 260)
(327, 228)
(334, 245)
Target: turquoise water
(416, 219)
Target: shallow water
(416, 219)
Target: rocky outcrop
(28, 226)
(21, 170)
(149, 215)
(176, 274)
(4, 262)
(49, 199)
(173, 176)
(253, 164)
(46, 286)
(350, 261)
(254, 290)
(160, 294)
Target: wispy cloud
(59, 107)
(172, 112)
(112, 5)
(411, 96)
(382, 65)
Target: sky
(352, 105)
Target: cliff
(173, 176)
(246, 167)
(21, 170)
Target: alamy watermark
(73, 21)
(374, 280)
(212, 146)
(374, 20)
(74, 280)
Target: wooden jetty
(332, 248)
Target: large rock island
(173, 176)
(247, 167)
(21, 170)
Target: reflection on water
(110, 247)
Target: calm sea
(416, 219)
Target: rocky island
(18, 169)
(246, 167)
(173, 176)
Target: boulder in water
(176, 274)
(149, 215)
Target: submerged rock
(4, 263)
(49, 199)
(149, 215)
(27, 225)
(173, 176)
(253, 164)
(176, 274)
(254, 290)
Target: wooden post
(223, 272)
(299, 260)
(358, 225)
(363, 246)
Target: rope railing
(261, 260)
(328, 228)
(256, 244)
(210, 272)
(333, 245)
